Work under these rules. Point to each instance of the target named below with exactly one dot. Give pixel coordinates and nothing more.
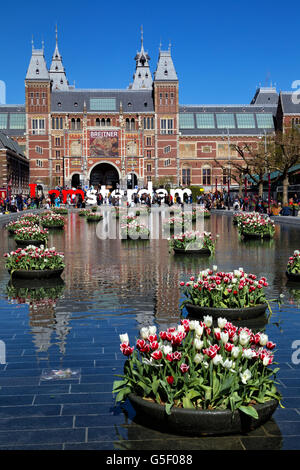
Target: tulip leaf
(186, 402)
(249, 410)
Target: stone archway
(105, 174)
(75, 182)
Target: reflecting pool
(110, 287)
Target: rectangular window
(225, 175)
(206, 149)
(186, 176)
(166, 126)
(17, 121)
(149, 178)
(3, 121)
(265, 121)
(167, 149)
(57, 141)
(167, 162)
(148, 141)
(57, 181)
(172, 98)
(205, 121)
(57, 153)
(39, 163)
(206, 176)
(103, 104)
(38, 126)
(39, 150)
(166, 98)
(186, 121)
(148, 153)
(149, 123)
(57, 168)
(245, 121)
(225, 121)
(148, 168)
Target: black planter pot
(56, 227)
(31, 242)
(37, 274)
(258, 236)
(293, 277)
(229, 313)
(200, 422)
(202, 251)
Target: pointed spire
(57, 71)
(142, 77)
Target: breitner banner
(104, 143)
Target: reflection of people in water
(105, 146)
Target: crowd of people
(211, 200)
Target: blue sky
(221, 50)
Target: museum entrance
(75, 180)
(104, 174)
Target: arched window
(78, 123)
(97, 122)
(103, 122)
(73, 123)
(108, 122)
(132, 124)
(127, 124)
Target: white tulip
(198, 358)
(263, 339)
(227, 364)
(124, 338)
(217, 360)
(144, 332)
(215, 268)
(235, 352)
(244, 338)
(167, 349)
(207, 320)
(198, 344)
(180, 329)
(193, 324)
(222, 322)
(199, 330)
(245, 376)
(224, 337)
(152, 330)
(266, 361)
(248, 353)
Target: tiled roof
(290, 102)
(133, 101)
(7, 143)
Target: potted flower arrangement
(34, 218)
(15, 225)
(31, 235)
(238, 217)
(134, 231)
(93, 217)
(60, 210)
(198, 379)
(256, 226)
(83, 212)
(35, 262)
(52, 220)
(293, 267)
(238, 295)
(193, 243)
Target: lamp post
(269, 175)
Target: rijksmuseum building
(130, 136)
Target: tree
(253, 163)
(285, 153)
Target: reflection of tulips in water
(294, 293)
(37, 296)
